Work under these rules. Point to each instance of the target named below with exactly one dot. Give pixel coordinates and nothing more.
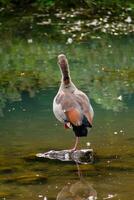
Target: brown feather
(73, 116)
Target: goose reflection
(80, 190)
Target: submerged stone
(4, 195)
(7, 170)
(27, 179)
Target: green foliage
(43, 3)
(108, 3)
(22, 3)
(71, 3)
(5, 2)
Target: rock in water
(83, 156)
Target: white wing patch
(58, 112)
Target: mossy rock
(7, 170)
(4, 195)
(27, 179)
(117, 167)
(85, 168)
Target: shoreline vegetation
(115, 17)
(117, 9)
(93, 5)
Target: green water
(102, 66)
(30, 127)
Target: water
(25, 133)
(29, 78)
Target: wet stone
(83, 156)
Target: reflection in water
(94, 66)
(80, 190)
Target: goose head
(64, 67)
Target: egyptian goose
(71, 106)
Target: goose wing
(72, 107)
(66, 108)
(85, 105)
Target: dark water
(29, 78)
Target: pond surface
(31, 128)
(101, 66)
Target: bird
(71, 106)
